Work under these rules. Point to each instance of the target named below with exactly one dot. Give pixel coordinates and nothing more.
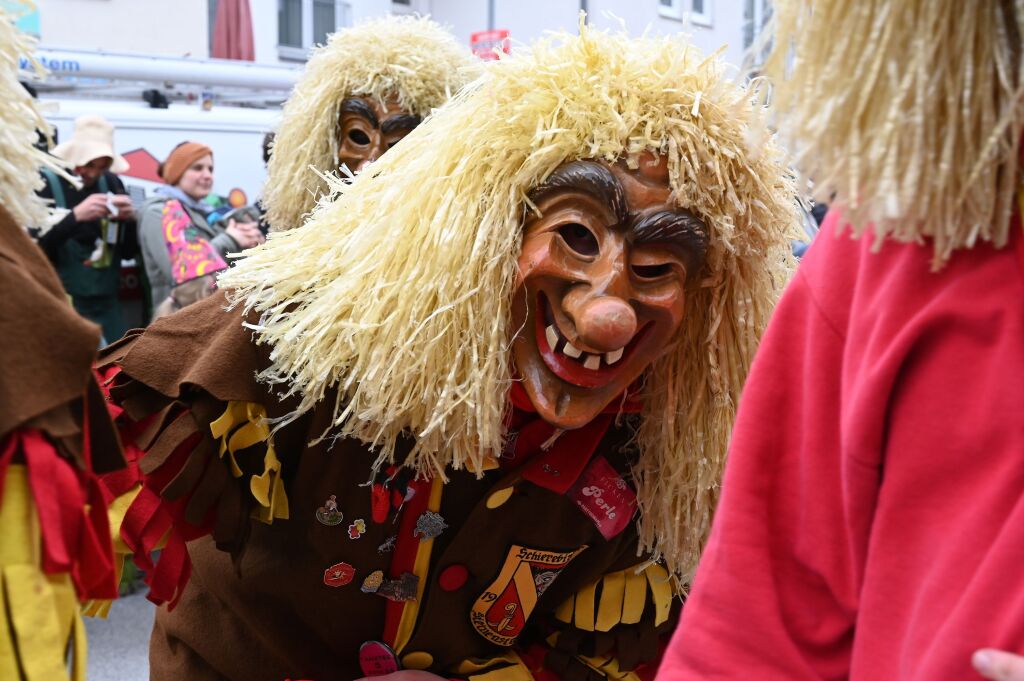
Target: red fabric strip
(404, 557)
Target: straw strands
(925, 144)
(20, 161)
(411, 59)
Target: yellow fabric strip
(8, 654)
(585, 607)
(115, 514)
(507, 667)
(40, 637)
(564, 612)
(609, 667)
(661, 592)
(613, 591)
(516, 673)
(79, 659)
(421, 567)
(234, 415)
(243, 425)
(38, 612)
(636, 596)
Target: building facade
(284, 30)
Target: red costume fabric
(872, 518)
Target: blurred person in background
(871, 523)
(194, 261)
(55, 434)
(98, 230)
(268, 150)
(188, 172)
(359, 94)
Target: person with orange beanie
(188, 173)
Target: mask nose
(605, 323)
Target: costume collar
(549, 457)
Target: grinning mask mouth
(603, 276)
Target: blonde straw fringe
(411, 59)
(910, 111)
(397, 292)
(20, 160)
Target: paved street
(119, 645)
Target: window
(301, 24)
(695, 11)
(323, 20)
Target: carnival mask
(367, 128)
(603, 277)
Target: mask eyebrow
(675, 227)
(400, 122)
(590, 178)
(359, 108)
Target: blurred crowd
(178, 238)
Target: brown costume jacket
(290, 598)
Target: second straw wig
(412, 59)
(398, 290)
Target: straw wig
(409, 58)
(926, 143)
(398, 290)
(20, 160)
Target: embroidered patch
(388, 545)
(339, 574)
(604, 497)
(328, 514)
(357, 529)
(500, 613)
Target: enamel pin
(429, 525)
(339, 574)
(328, 514)
(357, 529)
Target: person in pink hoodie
(871, 524)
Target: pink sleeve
(775, 595)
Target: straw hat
(93, 138)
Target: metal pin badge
(401, 589)
(328, 514)
(371, 584)
(377, 659)
(339, 574)
(429, 526)
(357, 529)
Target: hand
(998, 665)
(407, 675)
(92, 208)
(245, 234)
(125, 209)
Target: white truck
(227, 105)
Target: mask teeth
(552, 337)
(572, 350)
(593, 362)
(613, 356)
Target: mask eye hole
(359, 137)
(652, 271)
(579, 239)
